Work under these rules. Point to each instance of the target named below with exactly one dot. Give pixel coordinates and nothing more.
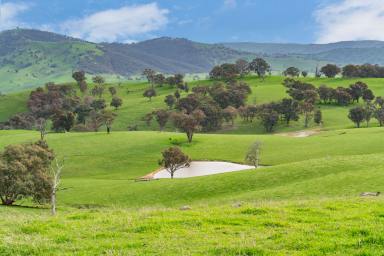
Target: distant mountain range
(29, 58)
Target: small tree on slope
(253, 154)
(174, 159)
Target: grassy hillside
(29, 58)
(311, 186)
(135, 106)
(337, 163)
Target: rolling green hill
(305, 200)
(311, 185)
(135, 106)
(29, 58)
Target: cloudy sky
(299, 21)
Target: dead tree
(56, 176)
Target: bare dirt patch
(300, 134)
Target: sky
(211, 21)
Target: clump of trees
(229, 72)
(260, 66)
(67, 111)
(345, 96)
(292, 72)
(80, 78)
(150, 93)
(174, 159)
(330, 70)
(363, 71)
(205, 109)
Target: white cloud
(9, 15)
(351, 20)
(117, 24)
(230, 4)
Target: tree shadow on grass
(42, 207)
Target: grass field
(321, 227)
(346, 162)
(304, 202)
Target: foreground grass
(353, 226)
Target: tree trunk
(190, 136)
(7, 201)
(53, 201)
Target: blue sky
(299, 21)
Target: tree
(242, 67)
(325, 93)
(149, 93)
(260, 67)
(269, 118)
(227, 72)
(79, 77)
(55, 176)
(24, 173)
(342, 96)
(230, 114)
(215, 73)
(159, 79)
(95, 120)
(292, 71)
(318, 117)
(149, 74)
(116, 102)
(330, 70)
(177, 95)
(290, 110)
(304, 73)
(97, 90)
(369, 110)
(357, 90)
(99, 80)
(112, 91)
(23, 121)
(307, 109)
(41, 126)
(253, 154)
(174, 159)
(179, 80)
(350, 71)
(107, 117)
(82, 112)
(368, 95)
(63, 121)
(379, 115)
(98, 104)
(44, 103)
(189, 123)
(162, 117)
(170, 100)
(357, 115)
